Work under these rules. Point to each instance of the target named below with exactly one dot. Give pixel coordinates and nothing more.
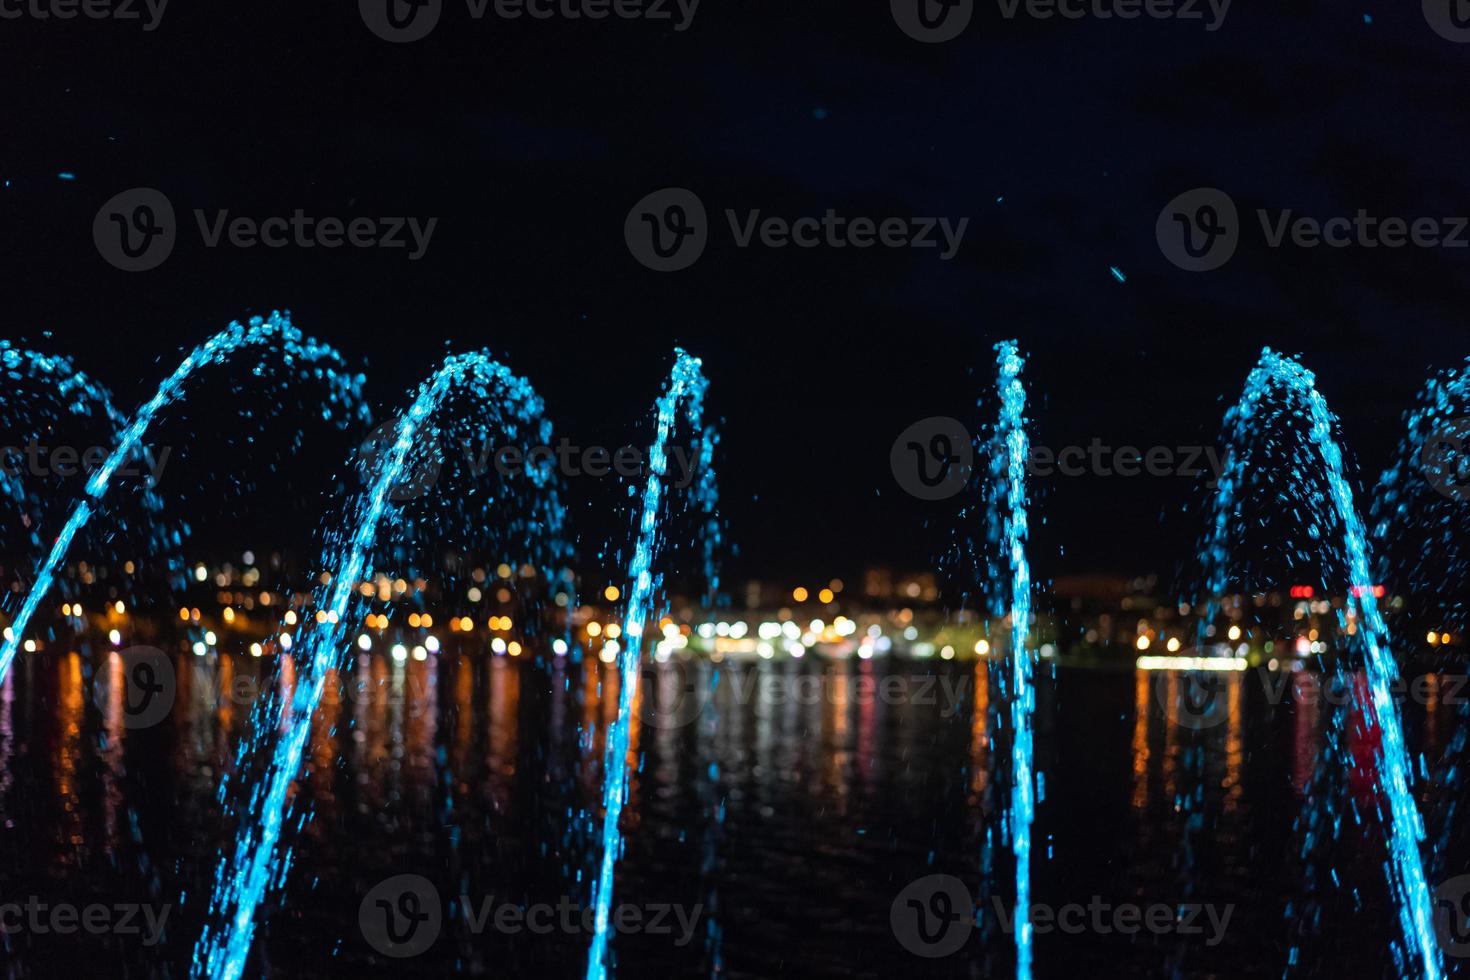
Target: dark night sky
(530, 141)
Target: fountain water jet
(321, 359)
(318, 649)
(1417, 508)
(1012, 441)
(1423, 493)
(686, 387)
(1404, 826)
(63, 391)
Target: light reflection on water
(792, 818)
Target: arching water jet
(686, 390)
(1404, 826)
(275, 330)
(258, 861)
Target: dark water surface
(782, 817)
